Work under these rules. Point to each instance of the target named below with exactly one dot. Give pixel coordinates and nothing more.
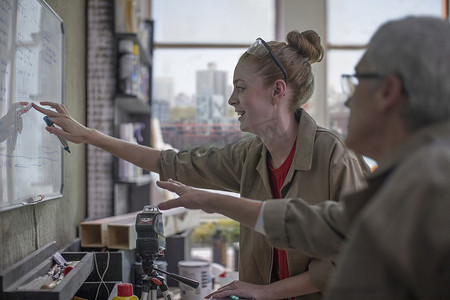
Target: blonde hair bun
(307, 44)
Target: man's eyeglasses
(349, 82)
(260, 49)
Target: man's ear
(279, 90)
(392, 92)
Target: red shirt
(276, 179)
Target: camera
(150, 241)
(151, 244)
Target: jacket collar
(437, 133)
(304, 148)
(306, 135)
(427, 135)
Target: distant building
(211, 125)
(213, 82)
(183, 100)
(209, 108)
(161, 110)
(163, 89)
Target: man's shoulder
(432, 158)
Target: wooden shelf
(134, 107)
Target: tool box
(37, 264)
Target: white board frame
(31, 163)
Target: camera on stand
(150, 245)
(150, 242)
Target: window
(213, 22)
(196, 50)
(349, 27)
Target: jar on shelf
(126, 61)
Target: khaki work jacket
(393, 237)
(322, 169)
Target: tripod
(150, 244)
(151, 281)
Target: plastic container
(197, 270)
(126, 66)
(125, 292)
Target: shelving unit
(108, 107)
(132, 104)
(133, 193)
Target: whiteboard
(31, 70)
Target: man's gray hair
(417, 49)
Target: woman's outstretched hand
(188, 197)
(242, 289)
(69, 129)
(243, 210)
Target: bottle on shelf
(220, 247)
(135, 78)
(126, 66)
(130, 132)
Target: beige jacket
(395, 233)
(322, 169)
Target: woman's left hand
(241, 289)
(188, 197)
(243, 210)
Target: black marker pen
(63, 141)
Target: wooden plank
(119, 232)
(122, 234)
(95, 233)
